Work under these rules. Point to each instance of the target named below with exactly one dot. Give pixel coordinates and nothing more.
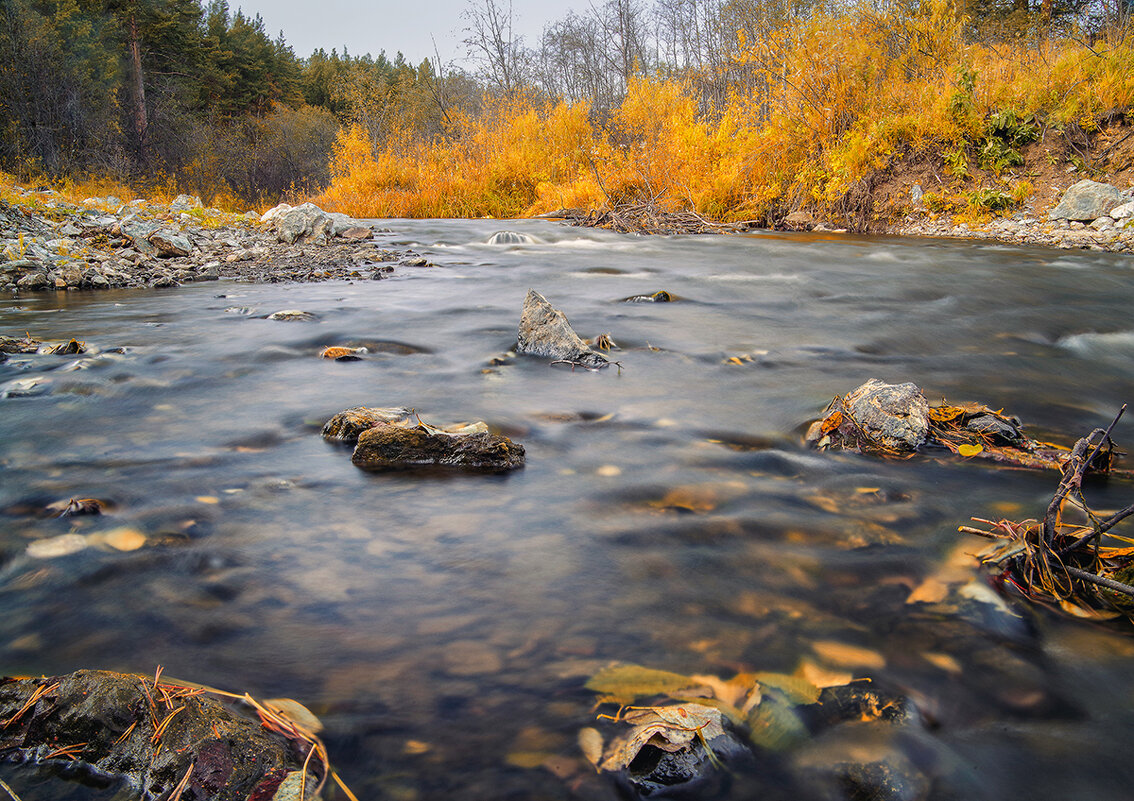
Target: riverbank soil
(936, 194)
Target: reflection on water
(443, 626)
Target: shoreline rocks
(50, 244)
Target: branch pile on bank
(646, 217)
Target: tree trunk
(138, 90)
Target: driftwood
(1081, 568)
(646, 217)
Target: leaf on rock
(668, 728)
(943, 414)
(832, 421)
(296, 712)
(625, 683)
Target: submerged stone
(390, 447)
(544, 331)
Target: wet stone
(544, 331)
(390, 447)
(347, 425)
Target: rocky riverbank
(47, 243)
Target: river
(443, 627)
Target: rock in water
(509, 238)
(153, 741)
(1086, 201)
(390, 447)
(544, 331)
(347, 425)
(896, 416)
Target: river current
(443, 626)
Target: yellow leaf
(943, 414)
(823, 677)
(626, 683)
(969, 450)
(843, 655)
(590, 743)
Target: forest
(731, 109)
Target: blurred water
(668, 514)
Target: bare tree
(491, 42)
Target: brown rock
(390, 447)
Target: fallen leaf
(823, 677)
(527, 759)
(930, 591)
(969, 450)
(296, 712)
(943, 661)
(796, 689)
(124, 539)
(831, 422)
(626, 683)
(943, 414)
(733, 691)
(53, 547)
(590, 743)
(669, 728)
(843, 655)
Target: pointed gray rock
(544, 331)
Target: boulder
(390, 447)
(1087, 200)
(34, 281)
(544, 331)
(169, 243)
(182, 202)
(357, 233)
(1125, 211)
(799, 221)
(891, 417)
(303, 221)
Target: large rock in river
(544, 331)
(891, 417)
(385, 446)
(1086, 201)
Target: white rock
(1123, 212)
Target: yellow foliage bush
(815, 107)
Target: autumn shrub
(825, 104)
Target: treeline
(167, 93)
(741, 110)
(609, 103)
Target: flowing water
(443, 626)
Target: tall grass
(817, 108)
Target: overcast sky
(409, 26)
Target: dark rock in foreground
(385, 446)
(155, 737)
(544, 331)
